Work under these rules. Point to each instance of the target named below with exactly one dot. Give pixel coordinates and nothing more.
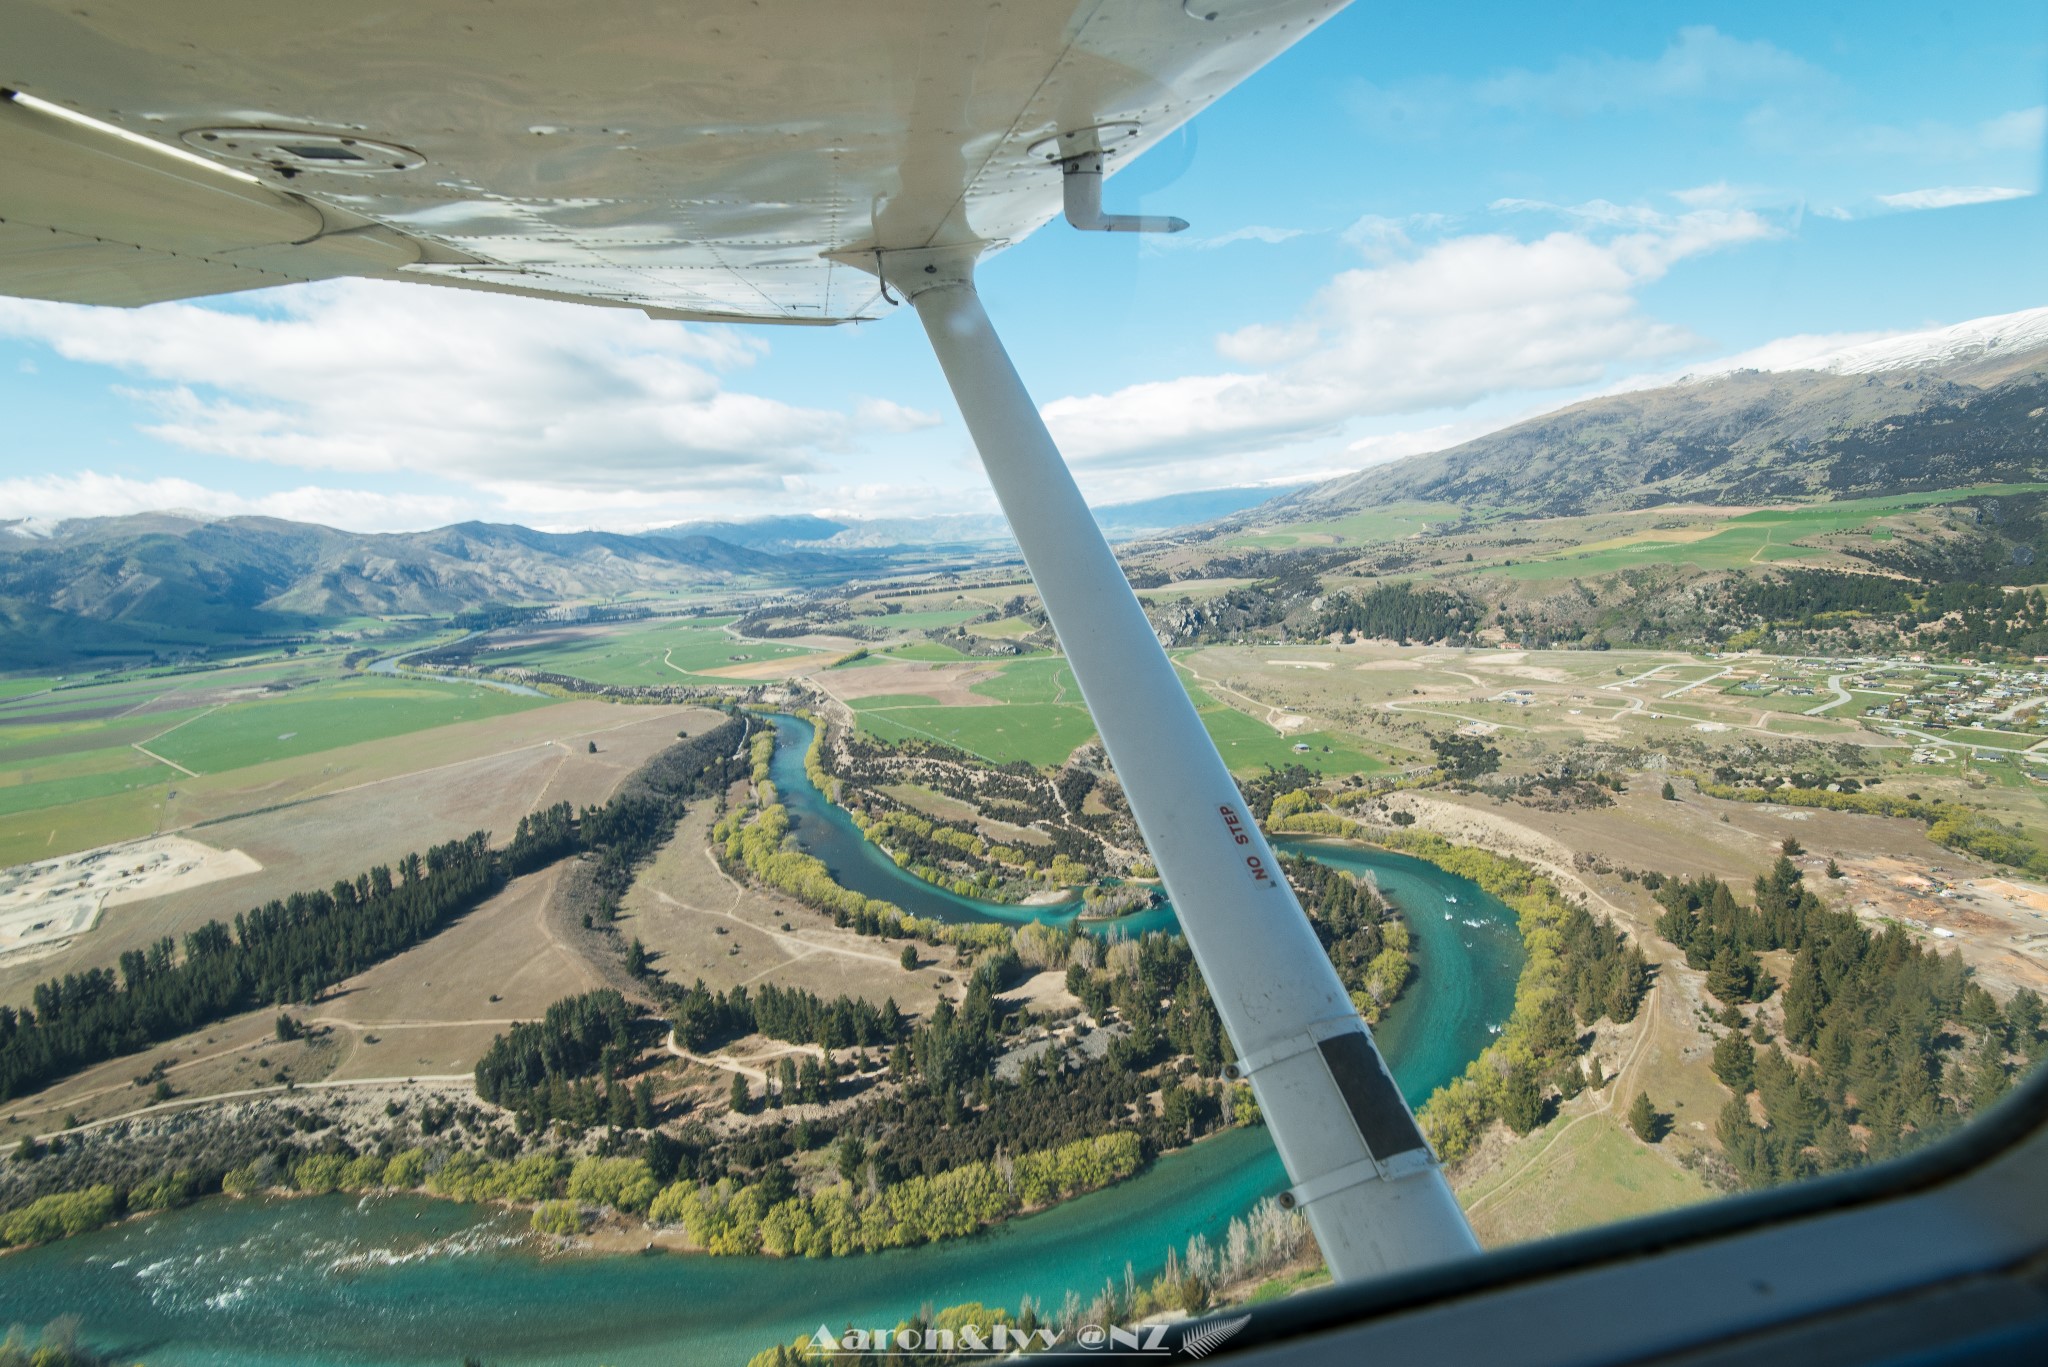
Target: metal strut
(1080, 154)
(1372, 1189)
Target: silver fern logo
(1205, 1341)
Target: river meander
(408, 1280)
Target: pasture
(1761, 537)
(1040, 718)
(326, 716)
(1390, 523)
(1038, 733)
(665, 652)
(310, 820)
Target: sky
(1420, 224)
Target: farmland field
(1046, 680)
(923, 619)
(1041, 720)
(1039, 733)
(311, 819)
(926, 650)
(1760, 537)
(1005, 628)
(93, 764)
(91, 774)
(326, 716)
(656, 653)
(1390, 523)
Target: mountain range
(1119, 522)
(1949, 407)
(154, 581)
(1931, 410)
(141, 585)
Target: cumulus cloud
(1950, 196)
(53, 498)
(886, 415)
(369, 377)
(1699, 64)
(1437, 327)
(40, 500)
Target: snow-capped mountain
(1979, 339)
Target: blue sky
(1421, 223)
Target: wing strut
(1361, 1169)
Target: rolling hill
(165, 581)
(1941, 409)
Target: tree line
(1577, 968)
(704, 1019)
(574, 1038)
(284, 951)
(1891, 1044)
(293, 948)
(1403, 613)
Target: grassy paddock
(672, 652)
(326, 717)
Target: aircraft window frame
(2019, 1117)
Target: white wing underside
(693, 160)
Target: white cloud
(369, 377)
(53, 498)
(1255, 232)
(1382, 447)
(1950, 196)
(1700, 64)
(2021, 130)
(1722, 195)
(888, 416)
(1441, 327)
(1596, 213)
(46, 499)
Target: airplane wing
(749, 160)
(704, 161)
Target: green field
(1039, 733)
(1391, 523)
(926, 650)
(884, 701)
(1249, 745)
(644, 653)
(97, 774)
(1757, 538)
(1574, 1174)
(326, 716)
(1007, 628)
(1042, 720)
(1041, 680)
(45, 832)
(73, 769)
(920, 620)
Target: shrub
(60, 1214)
(319, 1174)
(406, 1170)
(625, 1184)
(557, 1217)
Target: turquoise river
(408, 1280)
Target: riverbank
(1538, 1048)
(1466, 976)
(246, 1278)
